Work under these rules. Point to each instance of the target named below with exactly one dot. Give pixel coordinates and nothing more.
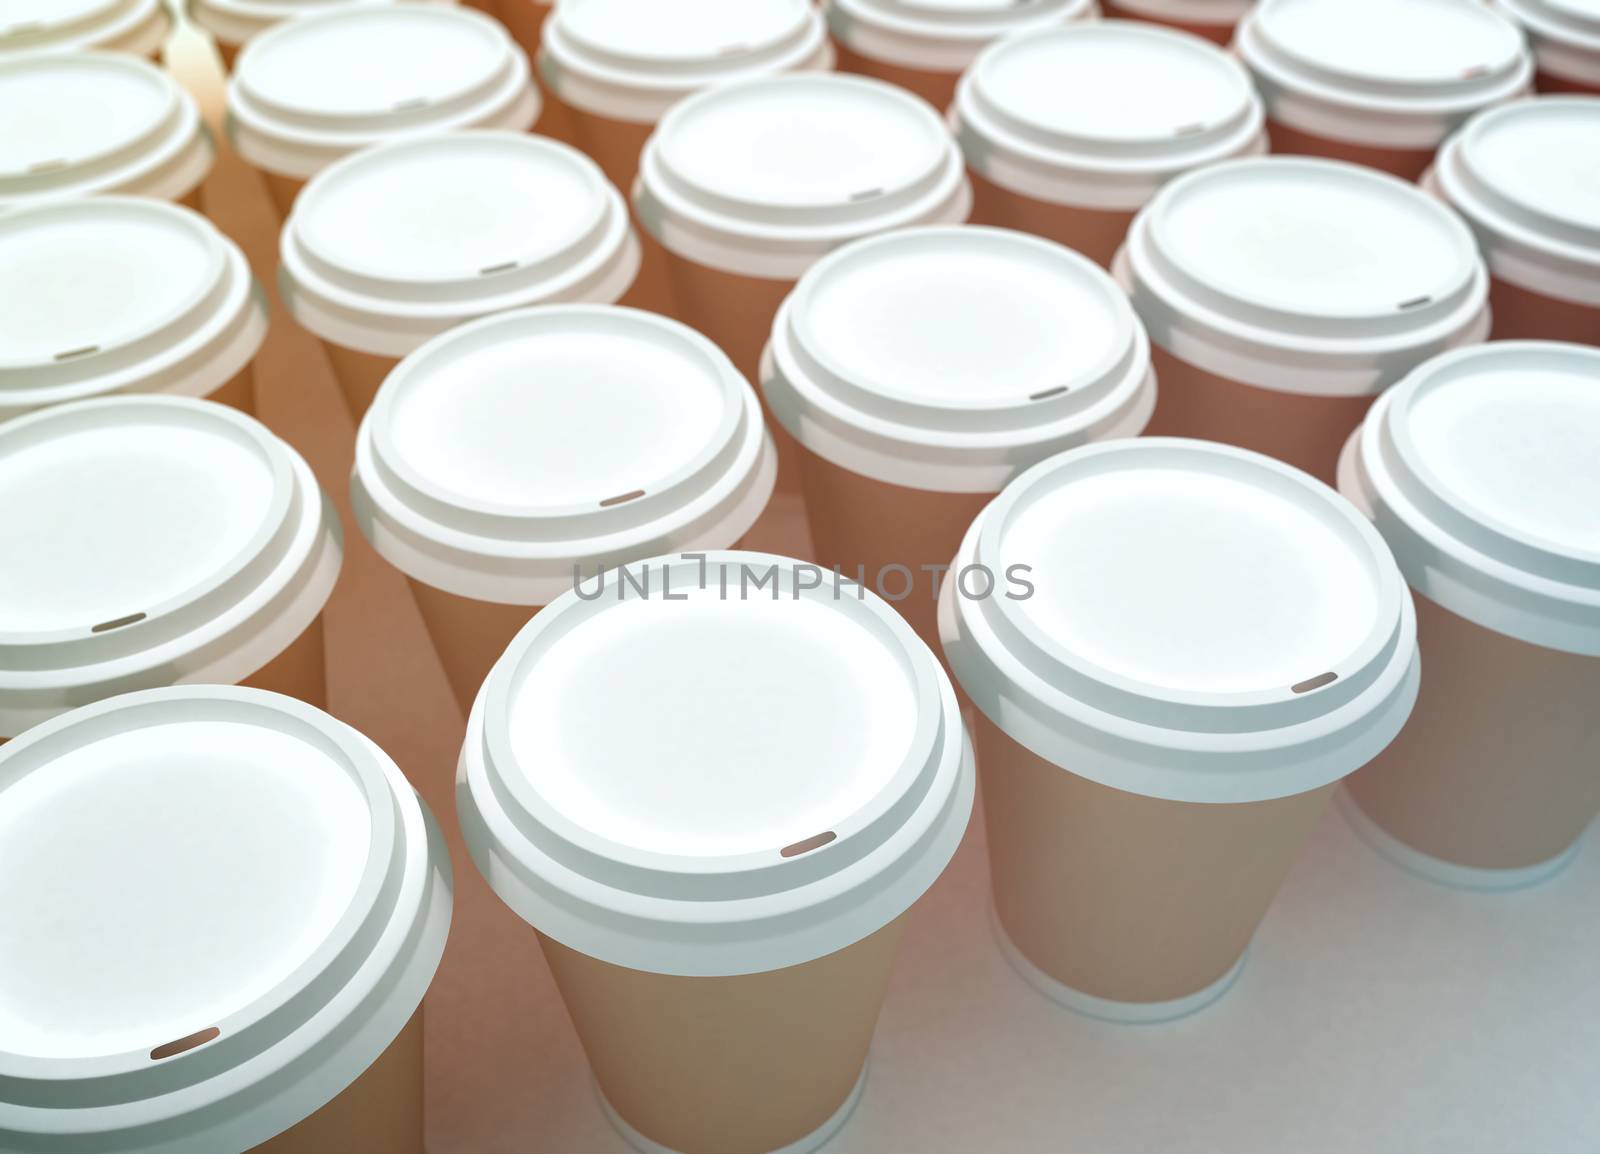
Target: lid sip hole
(1189, 129)
(1311, 683)
(865, 194)
(48, 165)
(412, 104)
(1414, 302)
(622, 499)
(183, 1045)
(807, 845)
(1045, 394)
(504, 266)
(116, 623)
(73, 354)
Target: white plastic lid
(703, 778)
(234, 903)
(1305, 276)
(1481, 471)
(1565, 35)
(75, 123)
(509, 456)
(1101, 114)
(319, 87)
(941, 35)
(136, 26)
(237, 21)
(1205, 624)
(633, 59)
(151, 541)
(762, 177)
(1525, 178)
(952, 358)
(120, 294)
(396, 244)
(1398, 74)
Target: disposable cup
(397, 244)
(514, 458)
(748, 184)
(716, 804)
(1521, 176)
(1068, 132)
(1212, 19)
(111, 295)
(233, 23)
(312, 90)
(77, 123)
(139, 27)
(276, 899)
(156, 541)
(1480, 472)
(1208, 641)
(924, 48)
(1379, 82)
(1565, 38)
(1283, 294)
(882, 367)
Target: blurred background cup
(157, 541)
(512, 459)
(924, 48)
(77, 123)
(312, 90)
(746, 185)
(139, 27)
(1565, 37)
(1068, 132)
(884, 365)
(618, 65)
(1212, 640)
(1480, 471)
(716, 806)
(1379, 82)
(398, 243)
(1523, 177)
(231, 24)
(275, 898)
(116, 294)
(1212, 19)
(1283, 294)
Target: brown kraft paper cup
(1094, 232)
(300, 671)
(680, 1059)
(1140, 900)
(469, 636)
(1216, 33)
(1520, 314)
(1140, 820)
(1406, 163)
(1496, 768)
(937, 88)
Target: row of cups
(715, 781)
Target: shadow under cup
(1152, 769)
(723, 964)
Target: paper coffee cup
(76, 123)
(243, 904)
(748, 184)
(924, 48)
(156, 541)
(1522, 176)
(1379, 82)
(618, 65)
(882, 366)
(233, 23)
(136, 26)
(1480, 472)
(715, 803)
(510, 460)
(119, 294)
(1283, 294)
(1070, 131)
(396, 244)
(1565, 38)
(315, 89)
(1212, 19)
(1209, 641)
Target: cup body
(680, 1060)
(468, 635)
(1095, 232)
(1521, 314)
(283, 189)
(1217, 33)
(937, 87)
(1492, 781)
(300, 671)
(1142, 903)
(359, 374)
(1406, 163)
